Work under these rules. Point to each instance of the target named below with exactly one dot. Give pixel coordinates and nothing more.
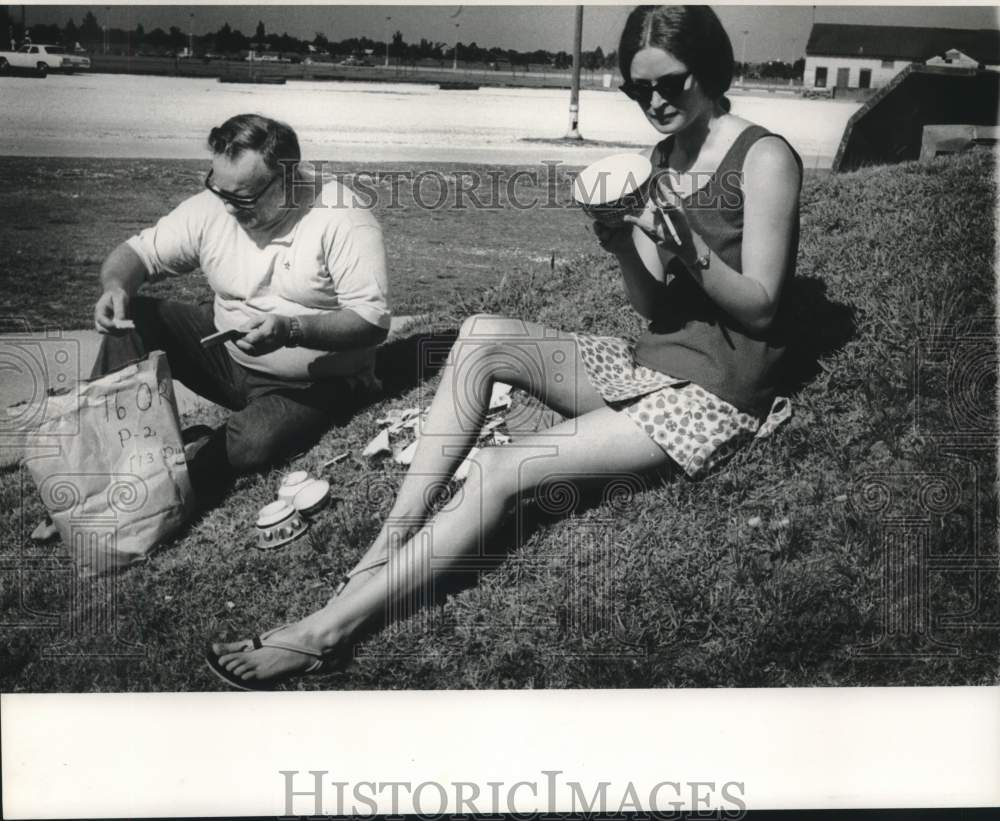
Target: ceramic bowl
(278, 524)
(312, 497)
(291, 484)
(613, 187)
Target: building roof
(908, 43)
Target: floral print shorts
(695, 428)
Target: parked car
(355, 61)
(41, 59)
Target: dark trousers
(273, 418)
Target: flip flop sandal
(256, 643)
(348, 576)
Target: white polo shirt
(325, 258)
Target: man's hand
(264, 334)
(111, 312)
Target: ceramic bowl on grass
(278, 524)
(614, 187)
(291, 484)
(312, 497)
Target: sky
(773, 32)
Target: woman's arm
(642, 265)
(771, 182)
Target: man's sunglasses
(669, 87)
(236, 199)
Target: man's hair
(275, 141)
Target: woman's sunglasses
(669, 87)
(236, 199)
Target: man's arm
(355, 259)
(121, 275)
(341, 330)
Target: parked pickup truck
(41, 59)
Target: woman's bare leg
(593, 447)
(539, 360)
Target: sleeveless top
(690, 337)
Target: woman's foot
(266, 660)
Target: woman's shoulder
(772, 153)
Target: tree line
(230, 42)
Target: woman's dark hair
(692, 34)
(275, 141)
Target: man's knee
(160, 323)
(147, 312)
(270, 431)
(152, 313)
(249, 452)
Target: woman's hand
(616, 240)
(665, 224)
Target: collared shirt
(328, 257)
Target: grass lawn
(857, 546)
(60, 217)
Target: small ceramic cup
(292, 484)
(613, 187)
(312, 497)
(278, 524)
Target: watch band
(294, 333)
(704, 260)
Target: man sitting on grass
(298, 271)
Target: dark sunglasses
(236, 199)
(669, 87)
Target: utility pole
(454, 65)
(387, 19)
(574, 95)
(191, 37)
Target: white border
(102, 756)
(134, 755)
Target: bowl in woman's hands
(614, 187)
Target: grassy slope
(676, 585)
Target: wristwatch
(294, 333)
(703, 261)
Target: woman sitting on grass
(700, 382)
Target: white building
(848, 56)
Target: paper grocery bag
(118, 485)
